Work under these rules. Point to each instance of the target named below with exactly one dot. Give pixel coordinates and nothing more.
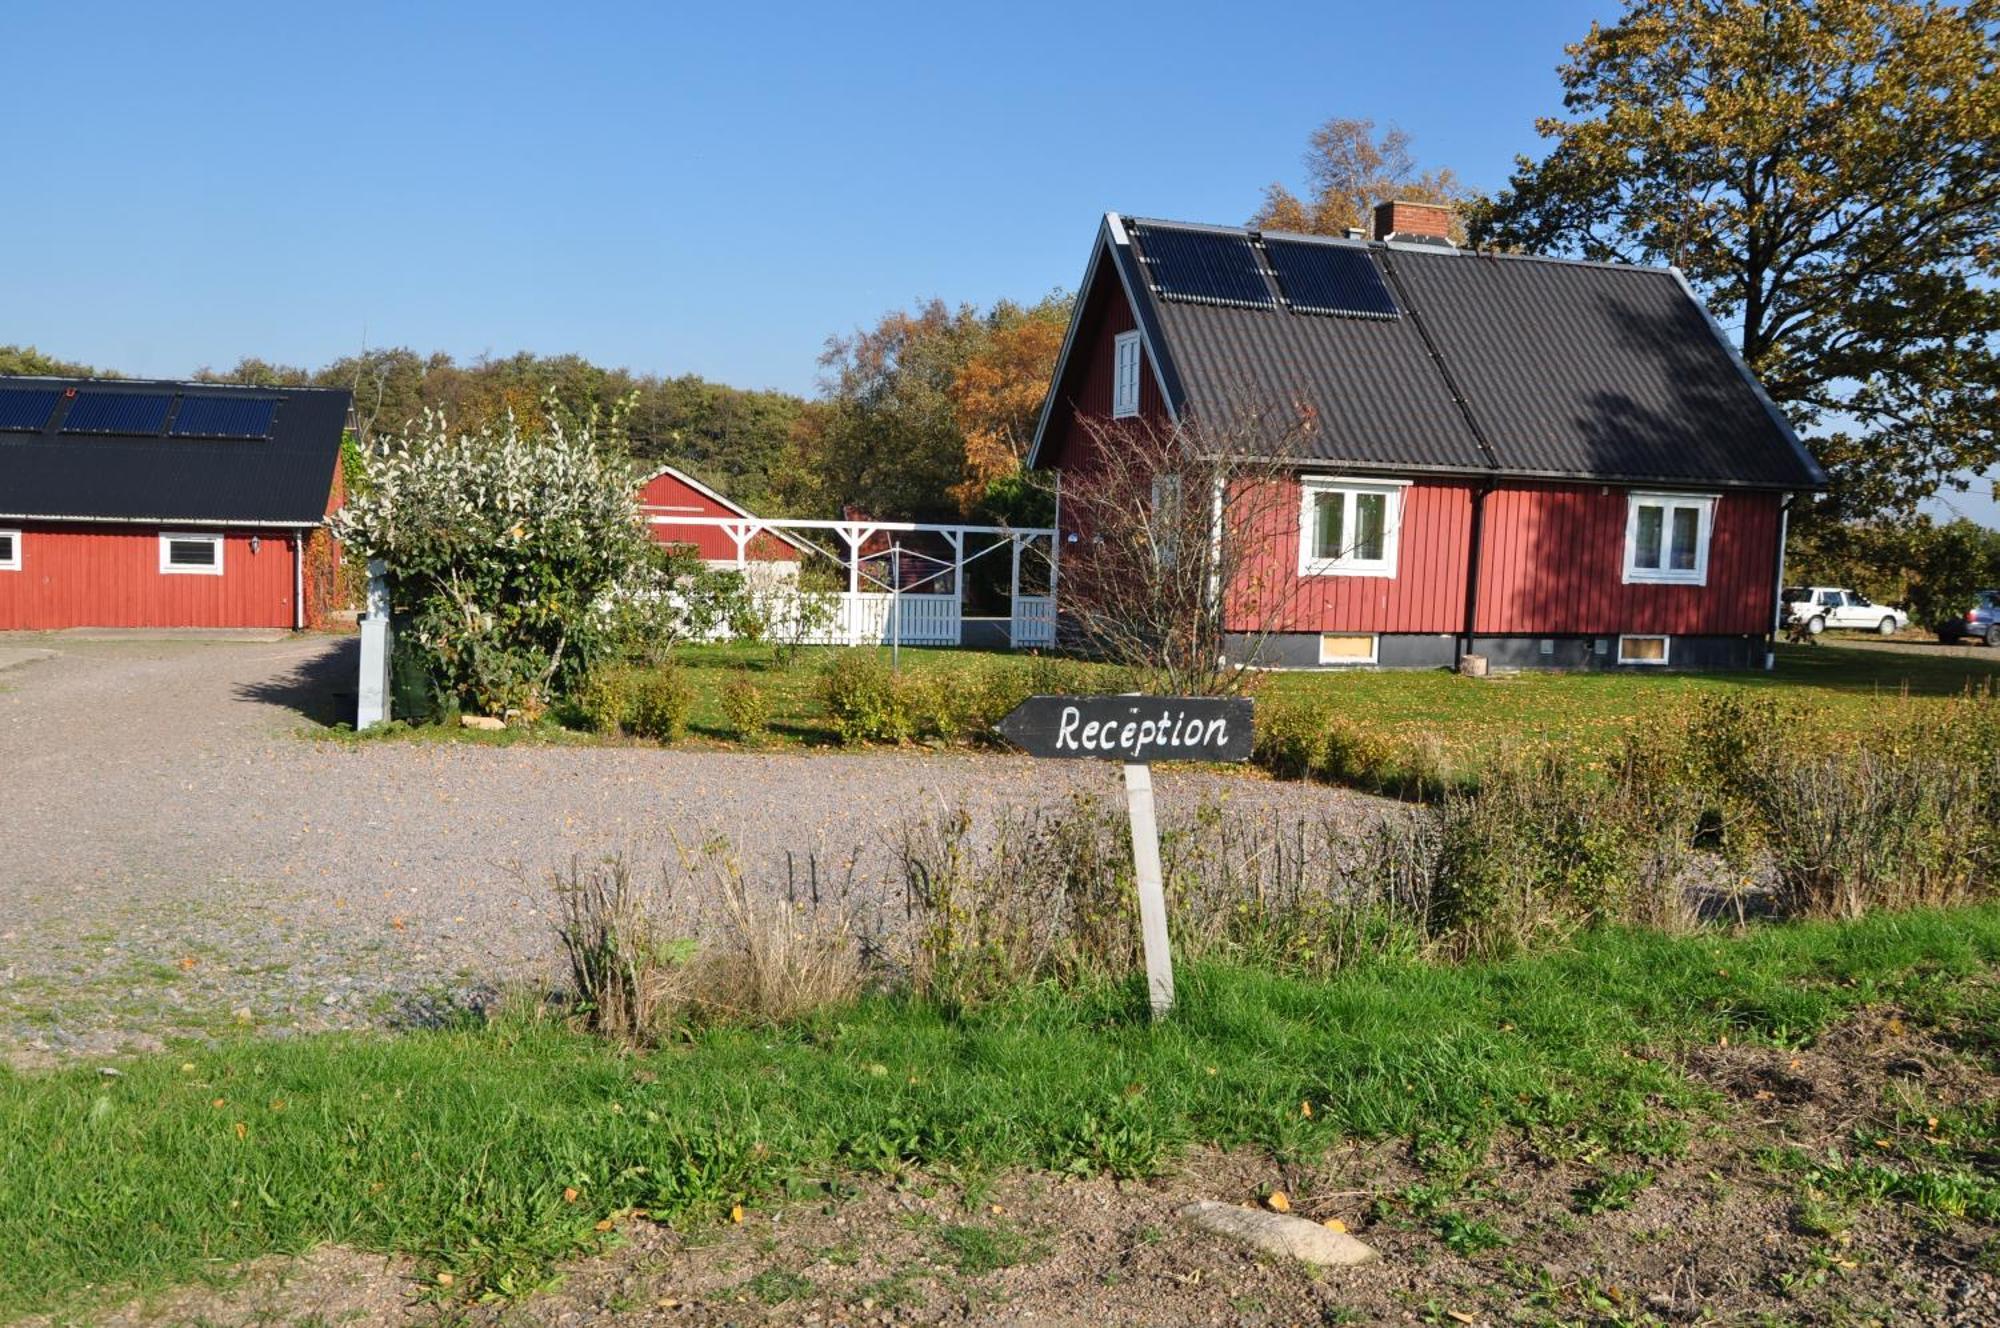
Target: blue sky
(707, 189)
(704, 188)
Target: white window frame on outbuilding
(10, 559)
(1670, 506)
(168, 538)
(1125, 361)
(1348, 561)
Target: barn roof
(140, 450)
(1463, 362)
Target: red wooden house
(156, 504)
(1550, 463)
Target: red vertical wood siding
(1552, 564)
(669, 496)
(1427, 594)
(1085, 391)
(80, 575)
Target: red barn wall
(670, 496)
(85, 575)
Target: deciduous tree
(1349, 169)
(1827, 175)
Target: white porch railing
(1033, 623)
(923, 618)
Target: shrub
(746, 708)
(1292, 740)
(646, 702)
(867, 701)
(661, 700)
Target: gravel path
(178, 854)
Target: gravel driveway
(178, 854)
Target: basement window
(1643, 650)
(10, 550)
(1125, 377)
(190, 555)
(1348, 648)
(1348, 527)
(1666, 538)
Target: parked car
(1980, 623)
(1820, 607)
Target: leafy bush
(516, 558)
(645, 702)
(867, 701)
(746, 708)
(661, 700)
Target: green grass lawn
(1846, 681)
(491, 1152)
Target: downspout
(298, 580)
(1778, 589)
(1472, 573)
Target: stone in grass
(487, 722)
(1279, 1233)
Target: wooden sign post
(1136, 731)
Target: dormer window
(1125, 378)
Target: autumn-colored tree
(1349, 169)
(921, 414)
(998, 393)
(1826, 173)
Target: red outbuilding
(1549, 463)
(157, 504)
(680, 509)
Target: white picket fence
(920, 620)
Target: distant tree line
(928, 413)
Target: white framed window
(1125, 377)
(1349, 647)
(1349, 527)
(190, 554)
(1649, 650)
(10, 550)
(1666, 538)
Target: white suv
(1820, 607)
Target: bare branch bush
(1178, 571)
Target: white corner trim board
(190, 553)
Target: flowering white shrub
(514, 557)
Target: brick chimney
(1401, 219)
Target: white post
(957, 538)
(372, 703)
(1014, 594)
(1152, 889)
(896, 606)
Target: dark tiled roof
(1565, 370)
(280, 479)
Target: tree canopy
(1350, 167)
(926, 413)
(1826, 173)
